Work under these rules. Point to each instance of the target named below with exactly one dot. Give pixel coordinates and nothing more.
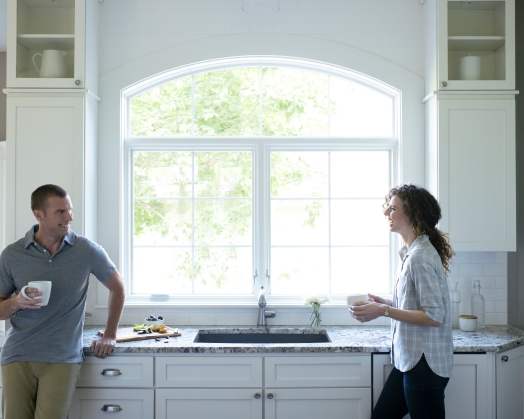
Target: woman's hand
(378, 299)
(367, 311)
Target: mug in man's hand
(43, 286)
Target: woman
(422, 344)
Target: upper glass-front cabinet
(476, 42)
(46, 43)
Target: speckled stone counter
(343, 340)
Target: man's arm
(104, 346)
(10, 305)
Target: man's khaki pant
(37, 390)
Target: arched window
(272, 175)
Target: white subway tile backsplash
(196, 319)
(482, 257)
(471, 269)
(461, 257)
(496, 269)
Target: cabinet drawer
(208, 372)
(318, 371)
(116, 371)
(239, 403)
(134, 404)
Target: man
(42, 353)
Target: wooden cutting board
(126, 334)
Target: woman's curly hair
(424, 213)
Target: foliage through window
(258, 176)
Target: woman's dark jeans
(419, 392)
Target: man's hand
(23, 303)
(103, 347)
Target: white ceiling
(3, 25)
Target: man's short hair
(41, 194)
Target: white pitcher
(53, 63)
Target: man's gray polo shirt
(52, 333)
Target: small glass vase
(316, 321)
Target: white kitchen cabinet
(321, 371)
(468, 393)
(310, 403)
(239, 403)
(116, 371)
(110, 387)
(208, 371)
(90, 403)
(270, 386)
(69, 119)
(470, 168)
(510, 383)
(456, 29)
(35, 26)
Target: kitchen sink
(264, 336)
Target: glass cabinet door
(46, 43)
(476, 45)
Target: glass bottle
(478, 305)
(454, 302)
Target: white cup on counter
(467, 322)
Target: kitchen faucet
(262, 313)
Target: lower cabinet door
(240, 403)
(314, 403)
(103, 403)
(467, 393)
(510, 383)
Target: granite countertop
(344, 339)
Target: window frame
(261, 147)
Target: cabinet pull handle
(111, 372)
(257, 395)
(77, 82)
(444, 83)
(504, 358)
(269, 395)
(111, 408)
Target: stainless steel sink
(262, 336)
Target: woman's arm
(365, 312)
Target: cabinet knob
(77, 82)
(111, 408)
(504, 358)
(111, 372)
(444, 83)
(257, 395)
(269, 395)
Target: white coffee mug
(355, 298)
(44, 287)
